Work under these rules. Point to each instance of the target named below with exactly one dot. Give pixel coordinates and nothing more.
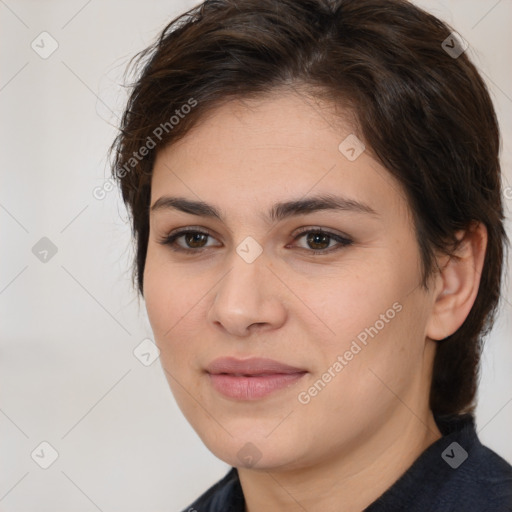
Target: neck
(354, 478)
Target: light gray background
(68, 326)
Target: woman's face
(348, 313)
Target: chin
(256, 452)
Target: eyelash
(342, 241)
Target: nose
(248, 298)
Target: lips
(252, 367)
(251, 379)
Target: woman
(315, 194)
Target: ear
(457, 283)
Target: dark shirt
(454, 474)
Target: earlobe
(457, 283)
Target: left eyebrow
(278, 212)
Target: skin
(355, 438)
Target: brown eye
(318, 241)
(193, 241)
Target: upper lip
(252, 366)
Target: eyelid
(301, 230)
(187, 229)
(327, 231)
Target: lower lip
(252, 388)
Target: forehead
(281, 145)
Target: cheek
(157, 295)
(351, 303)
(170, 298)
(383, 353)
(169, 303)
(375, 323)
(374, 372)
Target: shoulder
(482, 483)
(488, 479)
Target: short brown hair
(426, 114)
